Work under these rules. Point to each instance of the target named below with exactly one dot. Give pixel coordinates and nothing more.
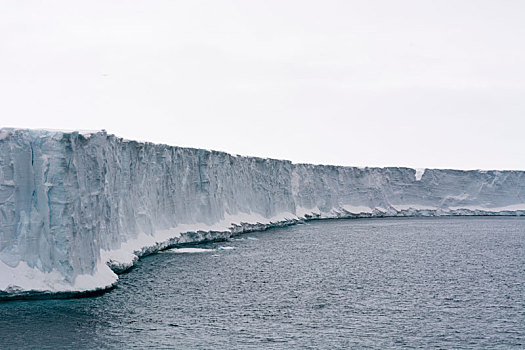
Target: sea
(383, 283)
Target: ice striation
(77, 207)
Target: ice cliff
(73, 205)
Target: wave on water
(225, 248)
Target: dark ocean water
(377, 283)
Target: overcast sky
(438, 84)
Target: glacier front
(77, 207)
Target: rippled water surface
(380, 283)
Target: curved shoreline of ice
(40, 284)
(75, 209)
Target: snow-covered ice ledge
(74, 206)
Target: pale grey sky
(437, 84)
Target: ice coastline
(76, 208)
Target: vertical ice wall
(328, 187)
(66, 197)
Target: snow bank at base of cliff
(23, 279)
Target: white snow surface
(72, 205)
(419, 173)
(356, 209)
(191, 250)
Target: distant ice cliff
(75, 207)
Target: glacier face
(71, 204)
